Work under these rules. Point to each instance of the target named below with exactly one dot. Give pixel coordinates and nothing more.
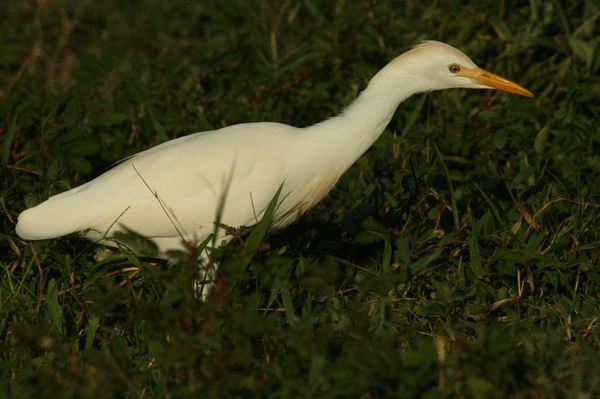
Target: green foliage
(458, 258)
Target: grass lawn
(458, 258)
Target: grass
(458, 258)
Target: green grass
(459, 258)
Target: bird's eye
(454, 68)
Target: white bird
(176, 186)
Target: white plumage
(190, 174)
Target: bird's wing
(175, 186)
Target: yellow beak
(485, 78)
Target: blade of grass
(259, 232)
(450, 188)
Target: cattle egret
(172, 191)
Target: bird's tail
(60, 215)
(44, 221)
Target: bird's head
(438, 66)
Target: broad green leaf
(79, 163)
(501, 138)
(83, 147)
(108, 119)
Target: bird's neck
(347, 136)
